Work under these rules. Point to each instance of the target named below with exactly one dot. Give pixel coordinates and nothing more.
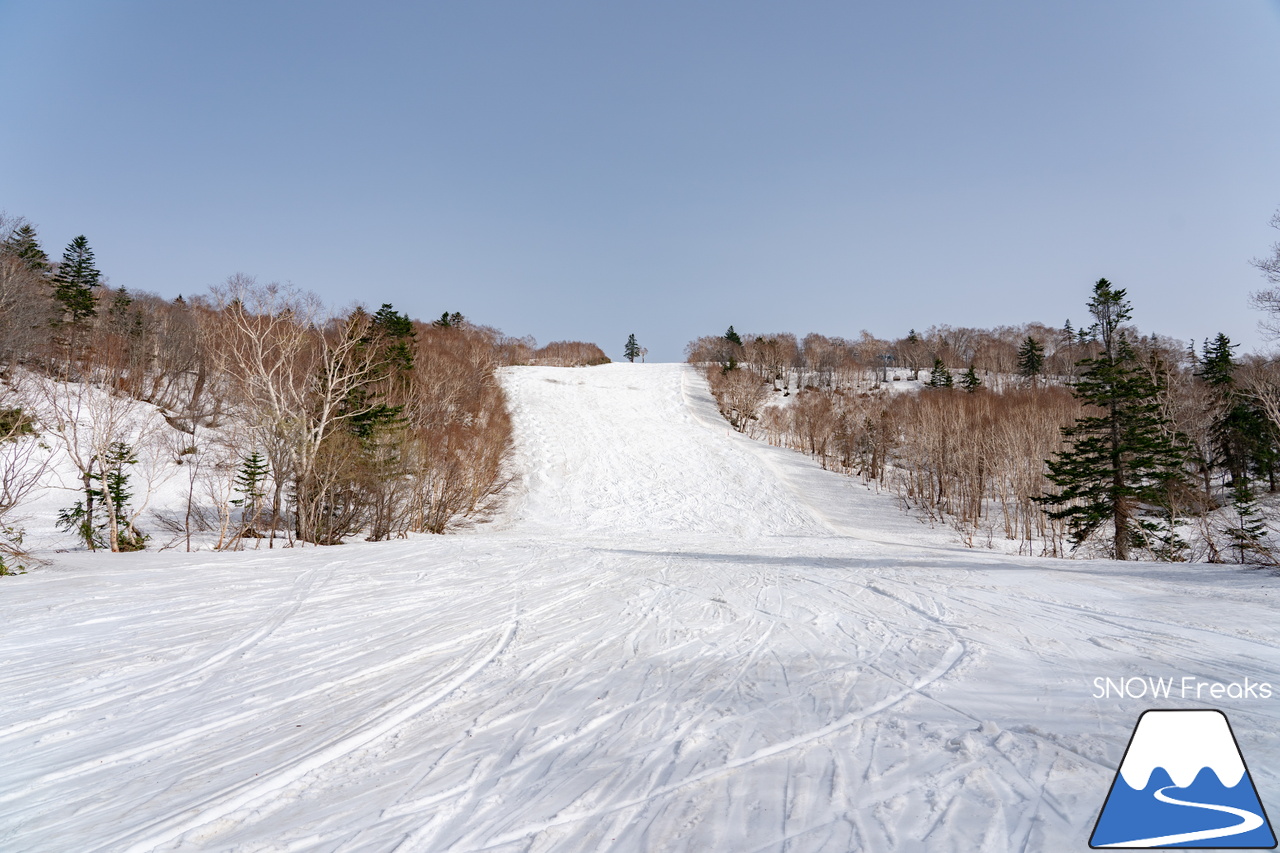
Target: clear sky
(585, 170)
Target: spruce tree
(397, 335)
(391, 336)
(120, 303)
(75, 280)
(1123, 456)
(101, 520)
(729, 353)
(1239, 431)
(251, 483)
(1031, 359)
(22, 243)
(1067, 344)
(632, 349)
(1217, 367)
(116, 496)
(970, 381)
(1248, 532)
(940, 377)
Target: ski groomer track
(673, 638)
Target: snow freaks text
(1185, 687)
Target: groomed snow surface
(674, 638)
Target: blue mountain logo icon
(1183, 783)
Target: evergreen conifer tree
(102, 518)
(970, 381)
(1122, 457)
(120, 305)
(1240, 432)
(913, 349)
(1031, 358)
(392, 335)
(1248, 532)
(632, 349)
(251, 484)
(729, 353)
(940, 377)
(75, 280)
(1067, 345)
(115, 478)
(396, 331)
(1216, 364)
(22, 243)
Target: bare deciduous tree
(1268, 300)
(740, 394)
(87, 422)
(23, 463)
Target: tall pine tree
(75, 280)
(1031, 359)
(23, 244)
(1120, 457)
(1240, 430)
(632, 349)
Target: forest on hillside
(1096, 439)
(287, 420)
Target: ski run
(670, 638)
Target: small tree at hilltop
(732, 346)
(22, 243)
(75, 280)
(397, 330)
(73, 291)
(632, 349)
(912, 350)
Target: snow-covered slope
(674, 639)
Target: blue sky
(584, 170)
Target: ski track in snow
(673, 638)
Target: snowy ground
(675, 638)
